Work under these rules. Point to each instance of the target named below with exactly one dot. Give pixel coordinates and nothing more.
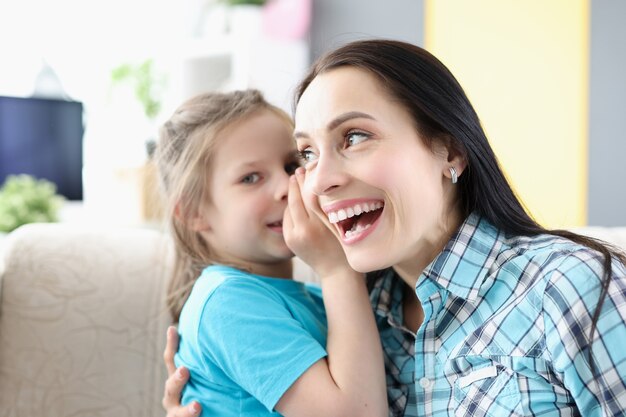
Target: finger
(174, 387)
(170, 350)
(311, 202)
(287, 221)
(299, 174)
(309, 199)
(190, 410)
(294, 202)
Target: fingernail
(194, 408)
(179, 373)
(299, 171)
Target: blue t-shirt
(246, 339)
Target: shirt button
(424, 382)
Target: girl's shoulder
(223, 294)
(229, 284)
(314, 289)
(219, 284)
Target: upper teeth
(346, 213)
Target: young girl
(253, 340)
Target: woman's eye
(306, 155)
(251, 178)
(356, 137)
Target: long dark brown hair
(442, 112)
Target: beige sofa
(82, 320)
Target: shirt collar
(386, 297)
(464, 263)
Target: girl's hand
(351, 380)
(176, 380)
(306, 233)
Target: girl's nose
(282, 186)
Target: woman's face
(385, 194)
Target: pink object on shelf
(287, 19)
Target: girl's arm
(351, 380)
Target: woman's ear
(457, 161)
(453, 155)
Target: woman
(481, 311)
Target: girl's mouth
(354, 221)
(276, 226)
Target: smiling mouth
(354, 220)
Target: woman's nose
(327, 174)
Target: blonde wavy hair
(184, 154)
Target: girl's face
(386, 196)
(248, 184)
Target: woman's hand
(176, 380)
(307, 235)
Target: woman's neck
(426, 250)
(412, 312)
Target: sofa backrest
(82, 322)
(83, 319)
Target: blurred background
(85, 85)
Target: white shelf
(208, 47)
(244, 58)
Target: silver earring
(454, 175)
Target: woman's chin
(364, 264)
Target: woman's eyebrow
(347, 116)
(337, 121)
(299, 135)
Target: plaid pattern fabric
(398, 345)
(506, 330)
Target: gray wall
(607, 114)
(336, 22)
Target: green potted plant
(148, 85)
(26, 199)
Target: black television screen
(44, 138)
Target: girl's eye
(356, 137)
(291, 167)
(251, 178)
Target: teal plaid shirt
(506, 329)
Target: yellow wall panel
(524, 65)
